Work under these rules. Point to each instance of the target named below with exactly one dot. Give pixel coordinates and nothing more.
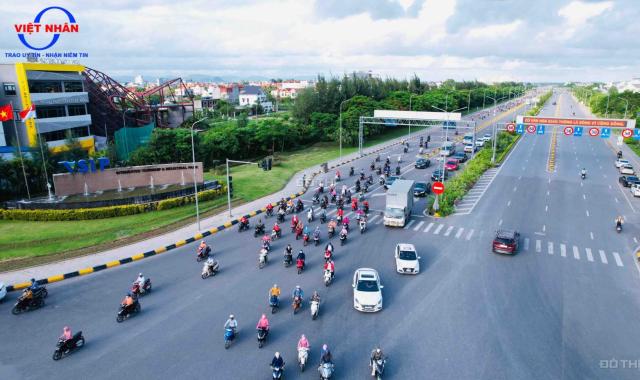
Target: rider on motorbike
(376, 355)
(244, 222)
(277, 361)
(583, 172)
(619, 221)
(343, 231)
(297, 292)
(140, 281)
(301, 256)
(127, 302)
(331, 266)
(276, 229)
(274, 293)
(326, 356)
(260, 225)
(303, 342)
(231, 323)
(66, 334)
(263, 324)
(203, 248)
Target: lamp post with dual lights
(195, 182)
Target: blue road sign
(577, 131)
(605, 133)
(520, 128)
(540, 129)
(636, 134)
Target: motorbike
(289, 210)
(351, 171)
(618, 227)
(243, 226)
(262, 337)
(323, 218)
(280, 218)
(316, 199)
(381, 181)
(269, 212)
(288, 259)
(378, 158)
(397, 170)
(378, 368)
(363, 226)
(262, 258)
(619, 154)
(305, 239)
(27, 304)
(274, 303)
(326, 371)
(337, 178)
(358, 187)
(259, 230)
(297, 304)
(146, 288)
(229, 336)
(343, 239)
(327, 277)
(314, 309)
(277, 372)
(303, 355)
(298, 233)
(64, 348)
(406, 150)
(276, 234)
(316, 239)
(125, 313)
(300, 265)
(209, 271)
(299, 207)
(203, 254)
(372, 166)
(331, 232)
(310, 216)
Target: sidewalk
(292, 187)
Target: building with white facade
(251, 95)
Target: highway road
(546, 313)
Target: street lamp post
(340, 133)
(410, 109)
(195, 182)
(493, 156)
(606, 112)
(625, 107)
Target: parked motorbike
(262, 337)
(146, 288)
(314, 308)
(303, 355)
(127, 312)
(64, 348)
(326, 371)
(229, 336)
(209, 270)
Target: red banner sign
(577, 122)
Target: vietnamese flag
(6, 112)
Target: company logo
(85, 166)
(37, 27)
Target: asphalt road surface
(554, 311)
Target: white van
(448, 149)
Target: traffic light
(230, 184)
(269, 163)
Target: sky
(486, 40)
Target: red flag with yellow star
(6, 112)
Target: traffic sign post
(531, 128)
(577, 131)
(568, 131)
(626, 133)
(511, 127)
(593, 132)
(605, 133)
(636, 134)
(520, 128)
(437, 188)
(540, 130)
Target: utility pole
(195, 182)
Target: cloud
(463, 39)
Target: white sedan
(407, 259)
(627, 169)
(367, 291)
(479, 142)
(468, 148)
(3, 291)
(635, 190)
(621, 161)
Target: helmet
(300, 251)
(378, 350)
(303, 337)
(66, 328)
(202, 242)
(263, 316)
(297, 286)
(231, 316)
(140, 274)
(128, 294)
(275, 285)
(277, 355)
(325, 347)
(33, 280)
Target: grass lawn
(251, 182)
(26, 239)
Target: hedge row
(106, 212)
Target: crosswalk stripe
(349, 214)
(332, 211)
(469, 235)
(576, 253)
(603, 257)
(428, 227)
(618, 259)
(437, 231)
(563, 250)
(526, 244)
(589, 254)
(460, 231)
(448, 231)
(538, 245)
(409, 224)
(373, 218)
(550, 248)
(416, 228)
(380, 221)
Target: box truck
(399, 203)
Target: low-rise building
(252, 95)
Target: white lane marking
(547, 192)
(544, 228)
(519, 177)
(416, 228)
(635, 240)
(584, 196)
(380, 221)
(589, 255)
(591, 233)
(371, 219)
(617, 201)
(515, 188)
(508, 203)
(604, 175)
(409, 224)
(581, 184)
(609, 187)
(500, 222)
(549, 179)
(587, 212)
(448, 232)
(550, 247)
(538, 246)
(349, 214)
(618, 259)
(563, 250)
(576, 253)
(459, 233)
(428, 227)
(332, 212)
(546, 208)
(437, 231)
(469, 235)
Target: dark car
(421, 189)
(628, 180)
(460, 156)
(437, 175)
(390, 180)
(422, 163)
(506, 241)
